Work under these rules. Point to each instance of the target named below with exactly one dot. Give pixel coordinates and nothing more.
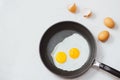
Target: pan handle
(107, 68)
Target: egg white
(73, 41)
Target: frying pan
(57, 33)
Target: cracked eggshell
(86, 12)
(72, 8)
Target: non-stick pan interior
(58, 33)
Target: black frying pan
(59, 32)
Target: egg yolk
(74, 53)
(61, 57)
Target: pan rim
(60, 74)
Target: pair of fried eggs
(72, 53)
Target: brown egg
(103, 36)
(109, 22)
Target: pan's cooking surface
(56, 34)
(64, 41)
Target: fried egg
(72, 53)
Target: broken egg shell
(73, 8)
(86, 12)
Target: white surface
(22, 23)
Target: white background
(23, 22)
